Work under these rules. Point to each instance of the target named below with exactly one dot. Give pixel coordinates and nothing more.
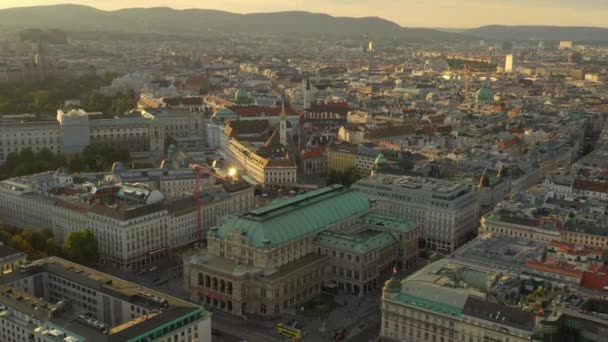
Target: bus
(290, 332)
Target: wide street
(359, 316)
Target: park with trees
(80, 246)
(47, 96)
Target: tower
(509, 63)
(306, 102)
(283, 124)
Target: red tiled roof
(188, 101)
(553, 266)
(590, 185)
(595, 280)
(249, 111)
(571, 248)
(72, 206)
(314, 152)
(280, 162)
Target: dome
(392, 285)
(484, 95)
(241, 97)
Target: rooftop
(445, 285)
(362, 243)
(499, 314)
(285, 220)
(165, 307)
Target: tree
(53, 247)
(81, 247)
(19, 243)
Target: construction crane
(198, 174)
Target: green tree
(81, 247)
(19, 243)
(53, 247)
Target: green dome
(381, 160)
(484, 95)
(242, 97)
(392, 285)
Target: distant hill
(498, 32)
(197, 21)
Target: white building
(133, 223)
(509, 63)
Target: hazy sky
(427, 13)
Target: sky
(409, 13)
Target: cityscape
(193, 175)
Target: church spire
(283, 123)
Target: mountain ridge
(540, 32)
(167, 20)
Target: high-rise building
(509, 63)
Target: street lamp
(232, 172)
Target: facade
(134, 224)
(314, 161)
(505, 223)
(56, 300)
(269, 172)
(16, 136)
(446, 301)
(75, 129)
(271, 259)
(341, 157)
(11, 259)
(509, 63)
(446, 212)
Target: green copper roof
(428, 304)
(380, 160)
(225, 113)
(290, 219)
(484, 95)
(387, 223)
(392, 285)
(360, 244)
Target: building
(56, 300)
(341, 157)
(73, 130)
(570, 325)
(11, 259)
(275, 170)
(134, 224)
(509, 63)
(565, 44)
(514, 224)
(314, 161)
(585, 233)
(447, 212)
(17, 133)
(447, 301)
(270, 259)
